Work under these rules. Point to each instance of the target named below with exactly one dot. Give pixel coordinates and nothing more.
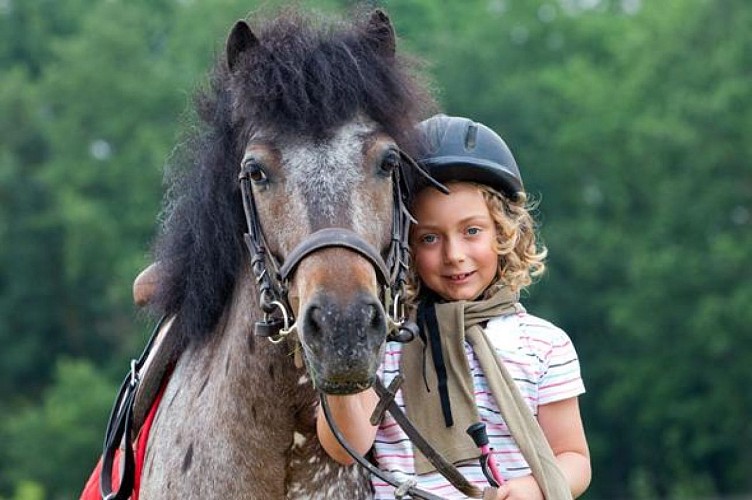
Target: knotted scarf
(436, 365)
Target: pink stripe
(558, 384)
(385, 426)
(395, 455)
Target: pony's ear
(240, 40)
(381, 33)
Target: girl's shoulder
(522, 329)
(537, 350)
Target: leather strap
(335, 237)
(444, 467)
(120, 427)
(401, 489)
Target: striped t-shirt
(541, 359)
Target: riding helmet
(459, 149)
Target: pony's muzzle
(343, 340)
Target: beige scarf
(457, 322)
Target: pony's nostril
(370, 315)
(314, 320)
(317, 316)
(375, 318)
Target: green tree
(676, 311)
(57, 436)
(30, 316)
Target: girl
(474, 250)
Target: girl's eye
(428, 238)
(472, 231)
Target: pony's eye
(390, 161)
(254, 169)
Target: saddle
(118, 473)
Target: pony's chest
(311, 474)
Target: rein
(387, 403)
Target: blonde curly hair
(521, 255)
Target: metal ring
(284, 332)
(285, 317)
(395, 304)
(287, 328)
(399, 309)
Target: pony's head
(315, 117)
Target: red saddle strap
(92, 491)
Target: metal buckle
(134, 374)
(275, 329)
(400, 329)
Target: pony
(316, 117)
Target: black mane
(307, 77)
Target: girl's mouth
(460, 276)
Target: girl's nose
(454, 251)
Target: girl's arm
(352, 414)
(562, 426)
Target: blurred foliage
(631, 121)
(58, 433)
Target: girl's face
(453, 242)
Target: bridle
(272, 277)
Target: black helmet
(460, 149)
